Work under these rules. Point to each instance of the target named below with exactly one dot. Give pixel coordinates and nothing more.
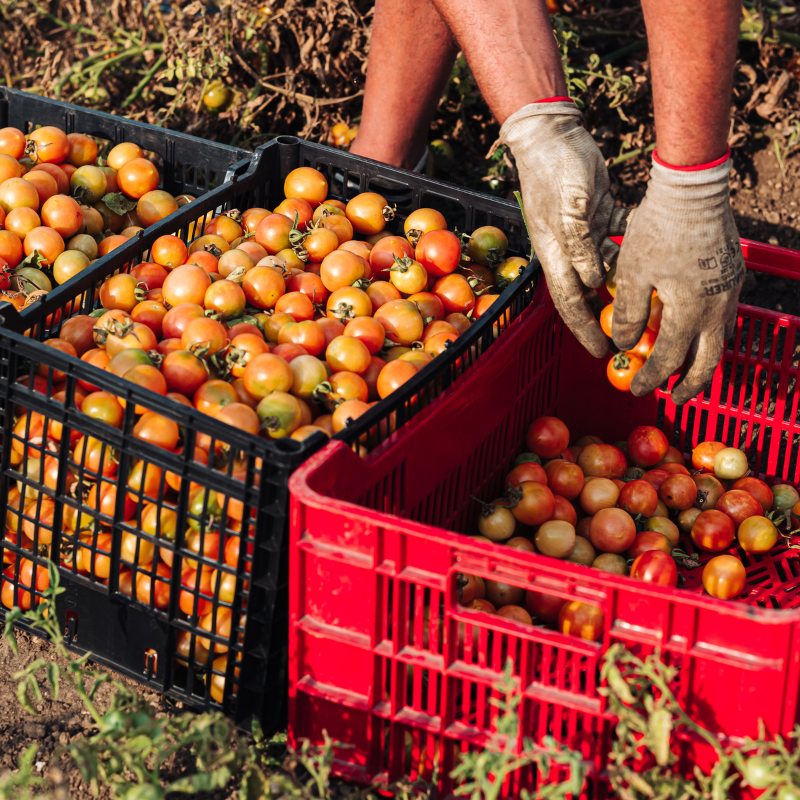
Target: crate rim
(300, 488)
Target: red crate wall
(368, 664)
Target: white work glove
(569, 210)
(682, 242)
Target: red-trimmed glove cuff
(694, 168)
(555, 100)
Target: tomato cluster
(622, 367)
(62, 206)
(622, 508)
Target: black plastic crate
(188, 164)
(126, 634)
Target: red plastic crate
(375, 541)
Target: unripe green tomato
(217, 96)
(730, 464)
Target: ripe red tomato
(753, 486)
(439, 252)
(709, 490)
(383, 254)
(545, 607)
(713, 531)
(647, 446)
(648, 540)
(638, 497)
(739, 505)
(564, 478)
(527, 471)
(547, 437)
(655, 566)
(703, 455)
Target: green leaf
(53, 678)
(35, 690)
(119, 203)
(659, 729)
(619, 685)
(24, 700)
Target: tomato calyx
(296, 236)
(119, 203)
(213, 249)
(414, 235)
(632, 474)
(35, 260)
(401, 264)
(389, 213)
(237, 276)
(487, 509)
(30, 150)
(683, 559)
(234, 214)
(621, 360)
(322, 392)
(344, 312)
(155, 357)
(113, 327)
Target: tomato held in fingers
(581, 619)
(724, 577)
(612, 530)
(713, 531)
(655, 566)
(757, 534)
(638, 497)
(622, 369)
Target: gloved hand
(683, 243)
(569, 210)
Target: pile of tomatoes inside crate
(280, 323)
(627, 508)
(62, 206)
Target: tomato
(647, 446)
(368, 212)
(496, 522)
(420, 222)
(678, 492)
(656, 477)
(611, 562)
(379, 293)
(488, 246)
(655, 566)
(730, 464)
(612, 530)
(547, 437)
(78, 332)
(394, 375)
(210, 243)
(298, 305)
(21, 221)
(18, 193)
(88, 184)
(280, 414)
(752, 486)
(123, 153)
(703, 455)
(724, 577)
(12, 142)
(564, 479)
(565, 510)
(94, 456)
(408, 276)
(581, 619)
(606, 318)
(263, 287)
(503, 594)
(273, 231)
(597, 494)
(713, 531)
(110, 243)
(534, 503)
(686, 519)
(638, 497)
(137, 177)
(555, 538)
(709, 490)
(382, 255)
(439, 252)
(168, 251)
(157, 430)
(45, 185)
(186, 284)
(155, 596)
(340, 269)
(602, 461)
(347, 304)
(340, 225)
(150, 313)
(784, 497)
(345, 412)
(307, 184)
(401, 320)
(544, 607)
(204, 336)
(648, 540)
(455, 293)
(757, 534)
(30, 576)
(68, 264)
(739, 505)
(234, 261)
(120, 292)
(82, 149)
(310, 285)
(51, 144)
(622, 369)
(104, 407)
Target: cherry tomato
(703, 455)
(597, 494)
(555, 538)
(753, 486)
(713, 531)
(648, 540)
(602, 461)
(647, 446)
(439, 252)
(581, 619)
(622, 369)
(612, 530)
(564, 478)
(678, 492)
(739, 506)
(757, 534)
(638, 497)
